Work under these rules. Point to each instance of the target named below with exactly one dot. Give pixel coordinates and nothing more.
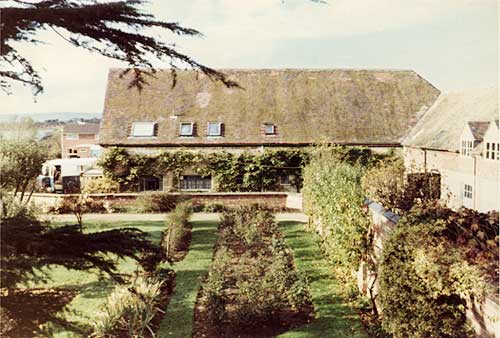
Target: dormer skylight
(269, 129)
(186, 129)
(214, 129)
(143, 129)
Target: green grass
(178, 321)
(76, 319)
(334, 316)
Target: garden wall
(485, 316)
(274, 200)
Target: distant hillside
(50, 116)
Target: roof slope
(81, 128)
(307, 106)
(478, 129)
(442, 125)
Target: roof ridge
(290, 69)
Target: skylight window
(269, 129)
(143, 129)
(214, 129)
(186, 129)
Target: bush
(214, 207)
(101, 186)
(176, 236)
(388, 185)
(129, 310)
(71, 204)
(262, 284)
(425, 278)
(334, 197)
(156, 202)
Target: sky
(451, 43)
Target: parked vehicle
(64, 175)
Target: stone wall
(484, 316)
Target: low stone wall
(274, 200)
(484, 316)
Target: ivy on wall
(230, 172)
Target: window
(492, 151)
(150, 184)
(285, 180)
(214, 129)
(143, 129)
(468, 191)
(269, 129)
(83, 150)
(72, 151)
(71, 136)
(186, 129)
(192, 182)
(466, 148)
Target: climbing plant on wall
(231, 172)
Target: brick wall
(73, 144)
(274, 200)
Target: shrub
(425, 278)
(129, 310)
(388, 185)
(156, 202)
(72, 204)
(333, 196)
(101, 186)
(176, 236)
(214, 207)
(264, 283)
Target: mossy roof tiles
(375, 107)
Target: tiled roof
(442, 125)
(83, 128)
(306, 106)
(478, 129)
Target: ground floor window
(150, 184)
(194, 182)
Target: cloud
(238, 33)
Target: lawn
(87, 291)
(334, 316)
(178, 321)
(90, 291)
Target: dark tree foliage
(116, 29)
(27, 245)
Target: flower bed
(252, 288)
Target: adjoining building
(80, 140)
(459, 139)
(273, 108)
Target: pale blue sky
(451, 43)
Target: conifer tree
(116, 29)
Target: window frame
(195, 182)
(468, 191)
(136, 124)
(271, 125)
(191, 124)
(492, 151)
(73, 137)
(219, 124)
(466, 147)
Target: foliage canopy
(116, 29)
